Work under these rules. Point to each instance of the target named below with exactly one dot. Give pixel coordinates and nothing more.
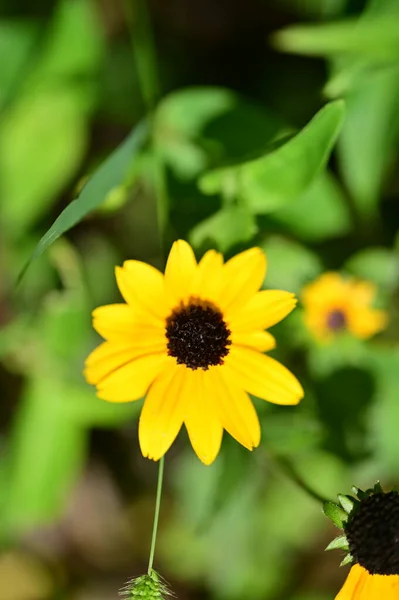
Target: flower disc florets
(373, 534)
(336, 320)
(197, 335)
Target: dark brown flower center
(336, 320)
(373, 534)
(197, 335)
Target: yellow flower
(333, 304)
(370, 523)
(360, 585)
(192, 342)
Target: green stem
(290, 471)
(156, 514)
(148, 78)
(144, 51)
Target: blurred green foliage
(296, 155)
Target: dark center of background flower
(373, 534)
(336, 320)
(197, 335)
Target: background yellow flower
(334, 304)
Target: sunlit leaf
(74, 20)
(378, 264)
(85, 409)
(376, 39)
(200, 126)
(44, 458)
(383, 417)
(320, 212)
(280, 177)
(228, 226)
(42, 143)
(291, 265)
(367, 141)
(17, 42)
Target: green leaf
(43, 141)
(201, 126)
(74, 20)
(344, 351)
(227, 227)
(291, 265)
(339, 543)
(321, 10)
(290, 434)
(335, 513)
(17, 41)
(383, 418)
(368, 137)
(277, 178)
(379, 265)
(45, 133)
(376, 39)
(84, 408)
(107, 176)
(320, 212)
(45, 456)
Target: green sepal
(339, 543)
(359, 493)
(347, 502)
(335, 513)
(378, 489)
(348, 559)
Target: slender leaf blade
(109, 174)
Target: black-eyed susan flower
(334, 304)
(370, 521)
(192, 342)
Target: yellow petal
(142, 285)
(236, 411)
(114, 321)
(363, 292)
(243, 275)
(179, 273)
(261, 376)
(259, 340)
(163, 411)
(105, 359)
(118, 322)
(364, 322)
(354, 584)
(208, 280)
(202, 421)
(110, 356)
(381, 586)
(264, 309)
(132, 380)
(330, 291)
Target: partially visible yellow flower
(370, 524)
(334, 304)
(192, 341)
